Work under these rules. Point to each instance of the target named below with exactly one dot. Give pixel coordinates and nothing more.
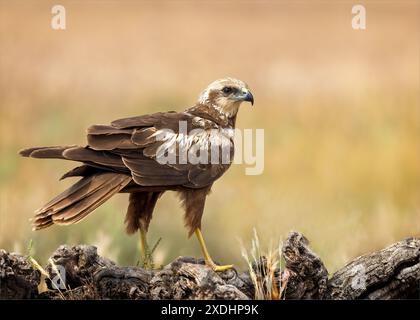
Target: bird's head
(226, 95)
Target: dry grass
(264, 267)
(340, 110)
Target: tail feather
(101, 160)
(85, 207)
(45, 152)
(80, 199)
(81, 171)
(100, 193)
(78, 190)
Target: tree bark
(18, 279)
(391, 273)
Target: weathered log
(188, 278)
(184, 278)
(122, 283)
(307, 278)
(391, 273)
(80, 263)
(18, 279)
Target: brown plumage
(125, 157)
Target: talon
(221, 268)
(216, 267)
(207, 258)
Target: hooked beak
(247, 96)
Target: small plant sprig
(44, 273)
(148, 260)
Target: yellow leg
(143, 244)
(206, 254)
(144, 251)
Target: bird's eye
(227, 90)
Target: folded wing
(139, 141)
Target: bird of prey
(126, 156)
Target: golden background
(340, 109)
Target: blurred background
(340, 109)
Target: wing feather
(138, 121)
(133, 143)
(110, 141)
(45, 152)
(103, 158)
(143, 137)
(99, 129)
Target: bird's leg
(142, 244)
(144, 250)
(207, 258)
